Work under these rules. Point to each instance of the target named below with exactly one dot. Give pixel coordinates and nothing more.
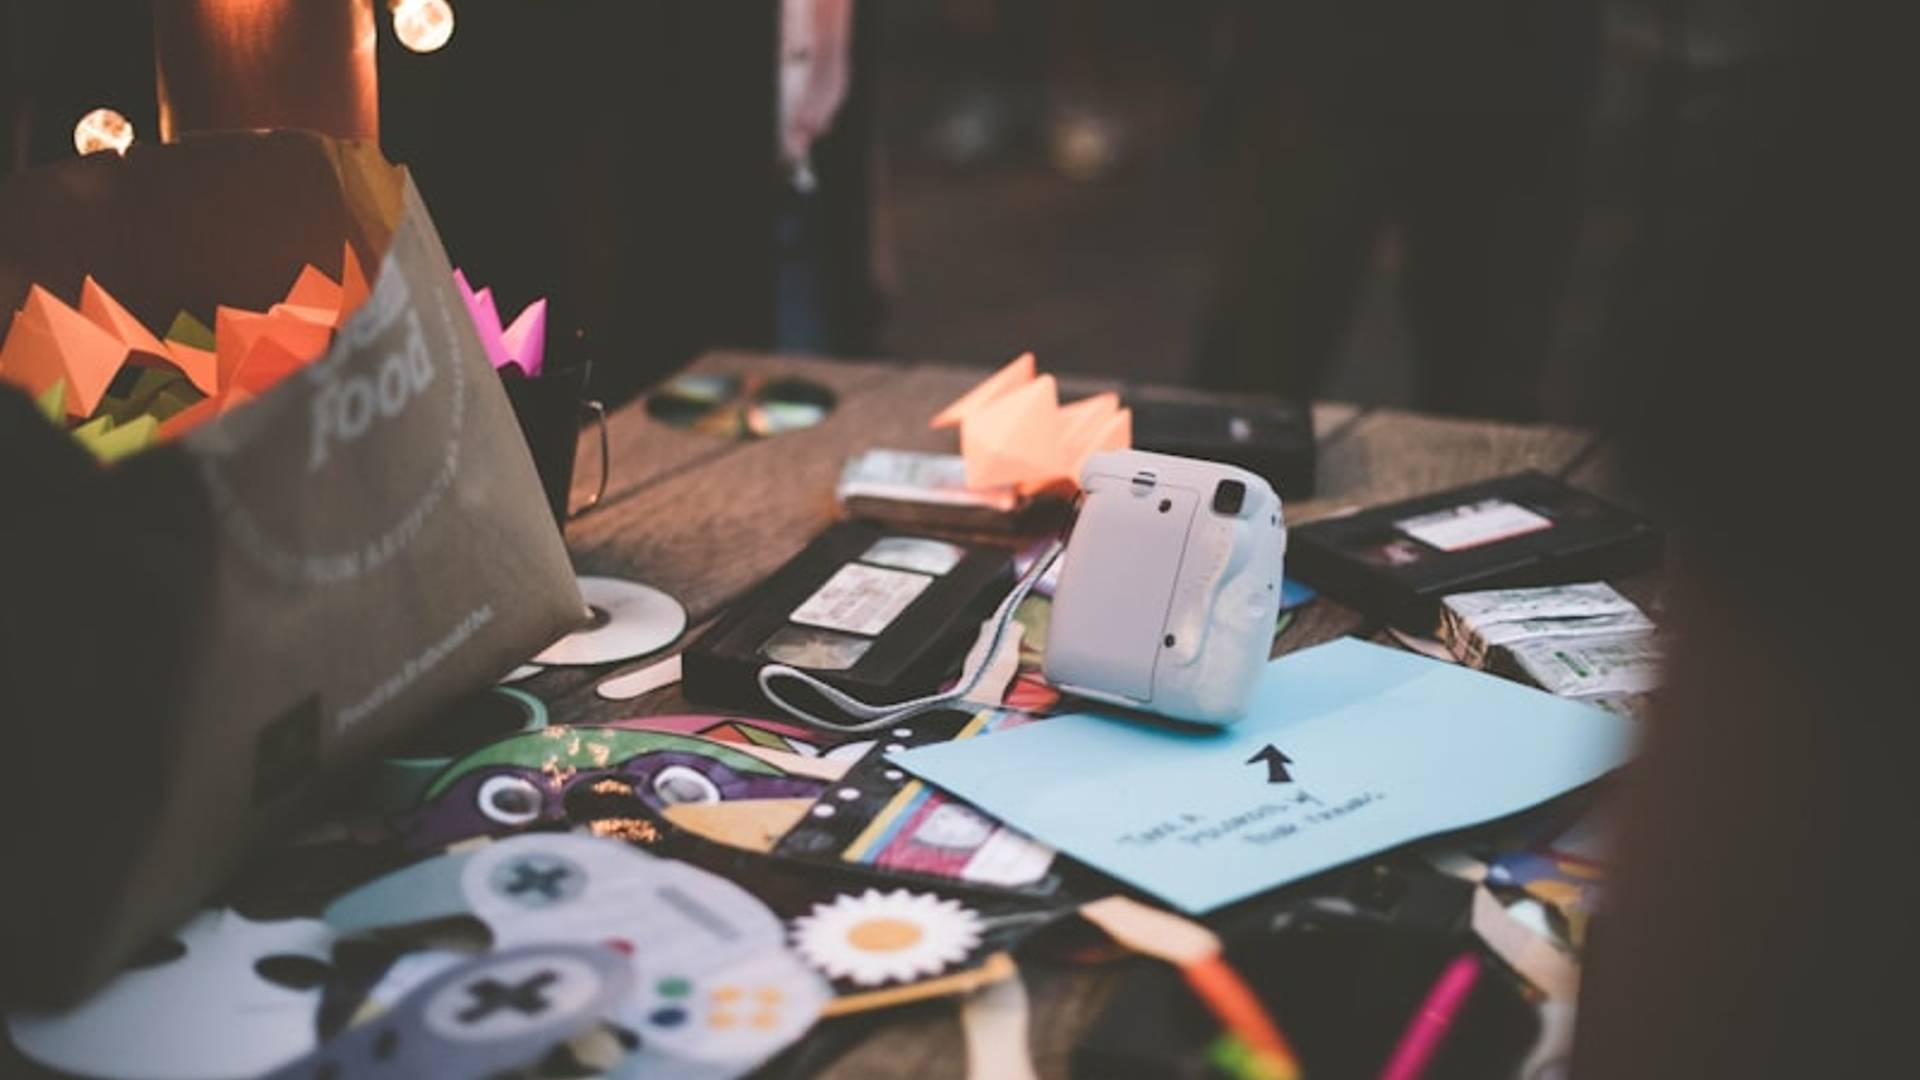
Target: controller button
(671, 1016)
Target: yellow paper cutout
(994, 968)
(187, 330)
(53, 402)
(748, 824)
(120, 440)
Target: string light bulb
(102, 129)
(422, 25)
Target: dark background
(617, 156)
(1738, 289)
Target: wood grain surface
(706, 517)
(1388, 454)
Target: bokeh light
(422, 25)
(102, 129)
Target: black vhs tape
(1271, 437)
(1398, 560)
(881, 614)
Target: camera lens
(1229, 497)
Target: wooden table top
(705, 517)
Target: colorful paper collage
(882, 818)
(1563, 866)
(528, 780)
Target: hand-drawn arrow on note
(1277, 763)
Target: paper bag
(198, 639)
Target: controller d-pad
(538, 880)
(488, 996)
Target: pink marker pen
(1433, 1020)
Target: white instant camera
(1170, 586)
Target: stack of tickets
(1015, 433)
(1579, 641)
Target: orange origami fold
(84, 348)
(268, 362)
(108, 314)
(251, 343)
(200, 412)
(314, 289)
(322, 299)
(50, 341)
(1018, 372)
(200, 366)
(253, 350)
(1015, 433)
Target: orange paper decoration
(1015, 433)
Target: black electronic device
(1272, 437)
(881, 614)
(1398, 560)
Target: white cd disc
(629, 619)
(524, 671)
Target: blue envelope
(1348, 749)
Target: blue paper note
(1349, 749)
(1295, 594)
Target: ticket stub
(1474, 624)
(909, 476)
(1549, 602)
(1631, 706)
(1591, 667)
(1492, 637)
